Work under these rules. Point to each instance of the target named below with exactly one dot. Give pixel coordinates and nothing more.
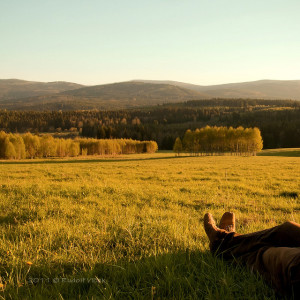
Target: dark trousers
(274, 253)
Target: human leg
(273, 252)
(232, 244)
(281, 267)
(284, 235)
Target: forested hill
(39, 96)
(15, 88)
(108, 96)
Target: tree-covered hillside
(279, 121)
(42, 96)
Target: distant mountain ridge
(16, 88)
(263, 89)
(108, 96)
(27, 95)
(136, 91)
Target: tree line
(20, 146)
(214, 140)
(115, 146)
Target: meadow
(131, 227)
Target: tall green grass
(132, 228)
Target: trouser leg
(281, 267)
(285, 235)
(272, 252)
(236, 245)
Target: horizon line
(150, 80)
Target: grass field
(131, 227)
(288, 152)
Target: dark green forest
(278, 121)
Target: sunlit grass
(132, 227)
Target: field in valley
(131, 227)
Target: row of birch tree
(17, 146)
(215, 140)
(116, 146)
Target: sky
(196, 41)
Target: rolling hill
(15, 88)
(26, 95)
(108, 96)
(261, 89)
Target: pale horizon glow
(199, 42)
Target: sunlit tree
(9, 149)
(177, 146)
(211, 140)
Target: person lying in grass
(274, 252)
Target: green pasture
(289, 152)
(130, 227)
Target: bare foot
(210, 227)
(228, 222)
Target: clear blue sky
(201, 42)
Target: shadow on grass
(293, 195)
(75, 161)
(9, 219)
(179, 275)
